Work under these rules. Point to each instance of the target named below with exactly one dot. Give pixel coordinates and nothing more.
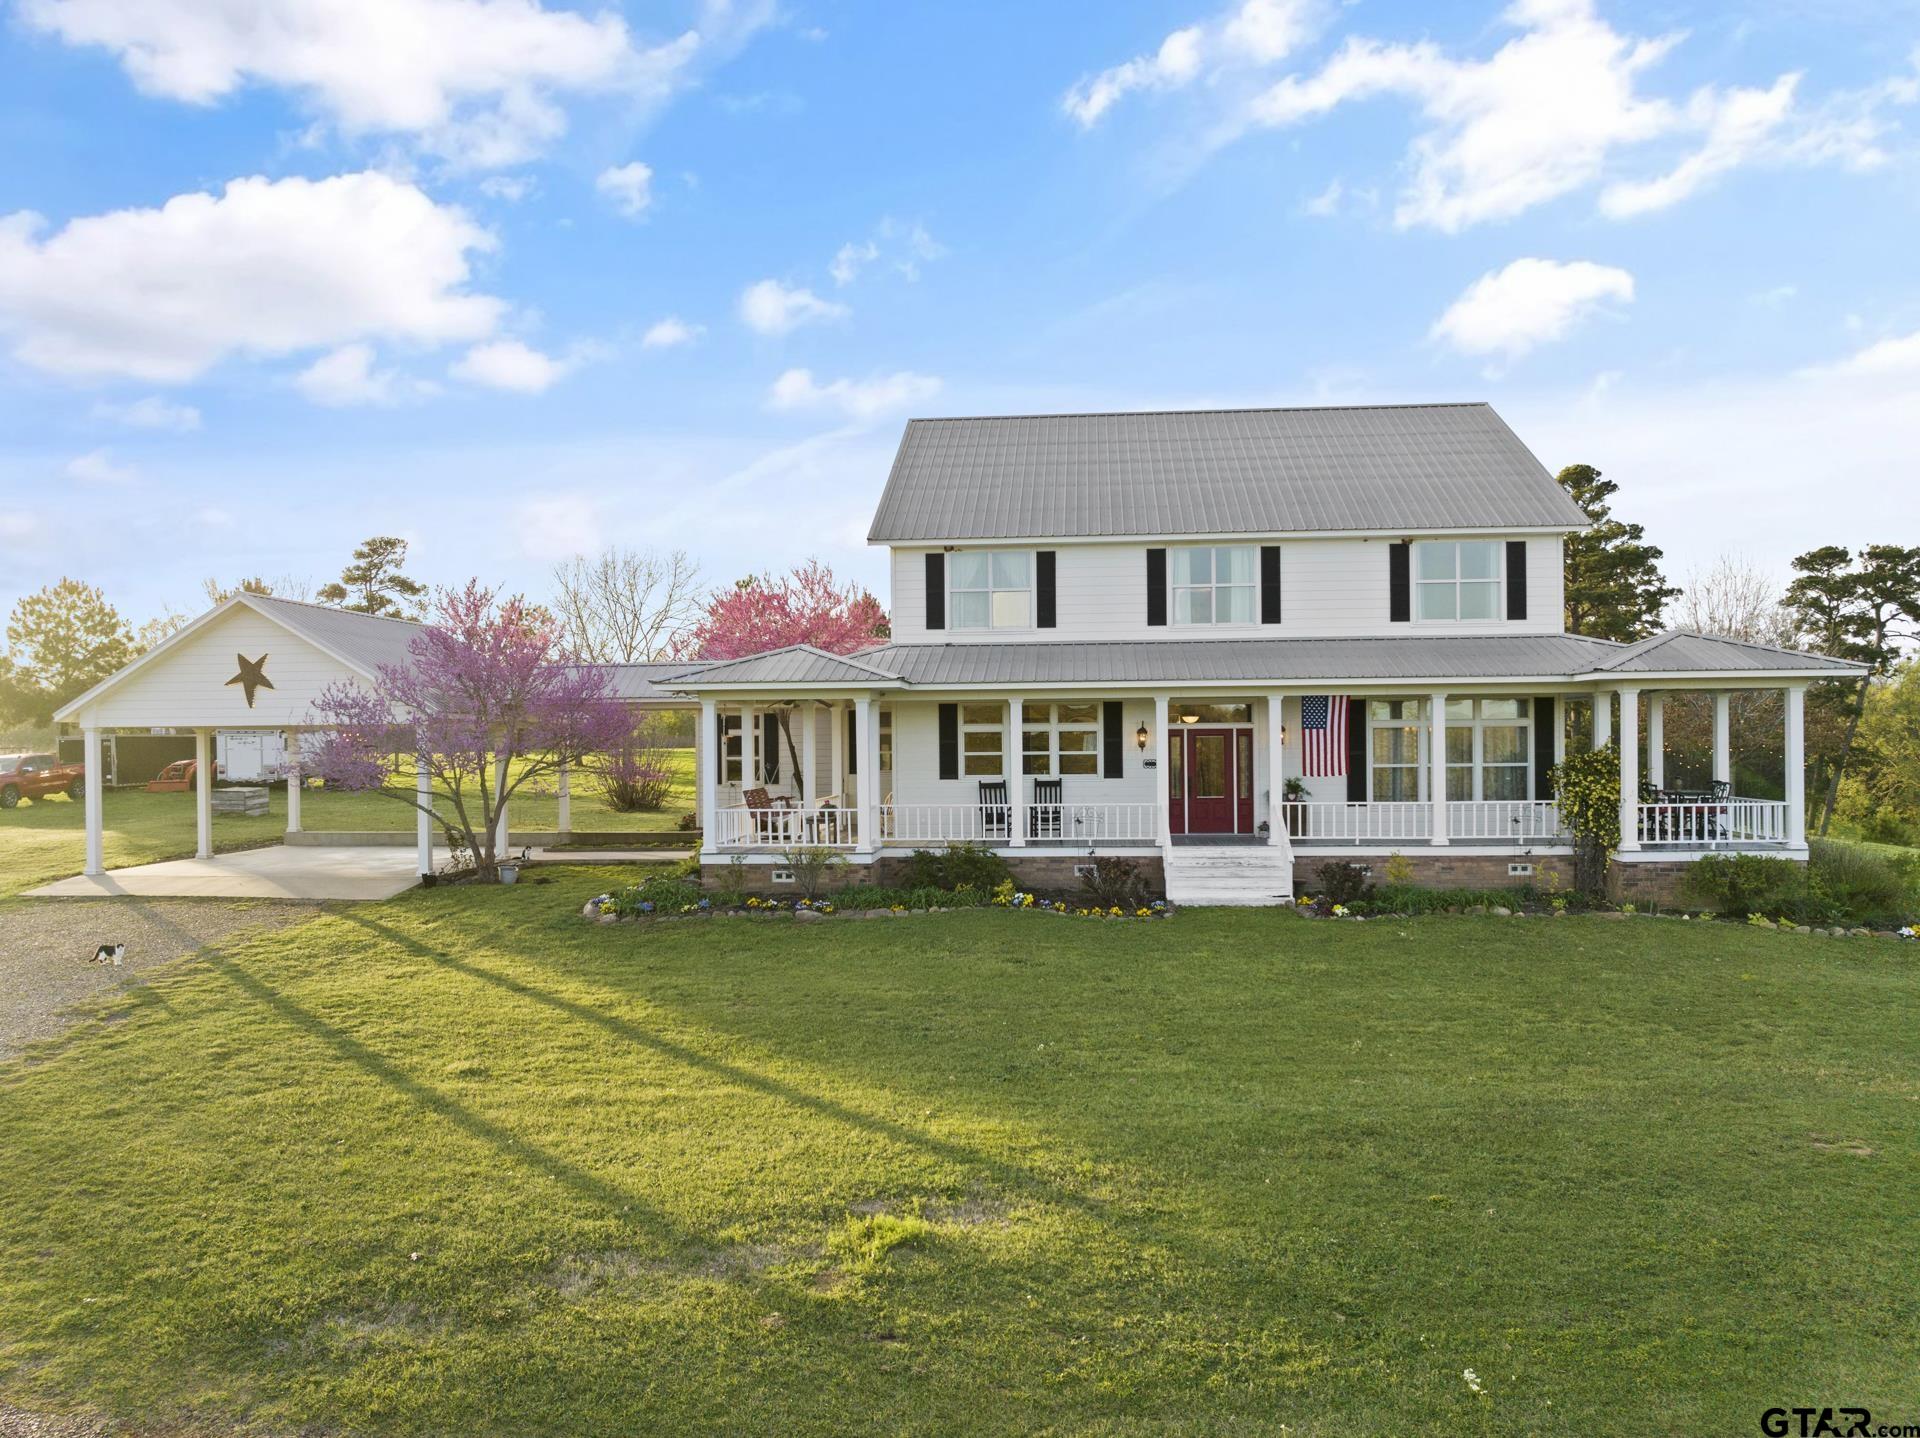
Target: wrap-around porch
(1149, 772)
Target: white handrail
(934, 824)
(1706, 824)
(738, 827)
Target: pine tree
(1615, 589)
(374, 584)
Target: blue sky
(511, 278)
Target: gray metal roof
(1383, 468)
(365, 640)
(642, 683)
(1256, 661)
(1684, 650)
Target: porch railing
(1505, 820)
(1316, 821)
(932, 825)
(739, 827)
(1713, 823)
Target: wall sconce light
(1140, 737)
(1189, 718)
(1283, 736)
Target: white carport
(252, 662)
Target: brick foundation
(1043, 873)
(1656, 881)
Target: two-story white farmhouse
(1235, 642)
(1232, 644)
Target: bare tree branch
(626, 606)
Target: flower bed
(672, 897)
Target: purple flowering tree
(490, 704)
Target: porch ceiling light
(1140, 737)
(1189, 718)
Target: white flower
(1473, 1379)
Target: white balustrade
(1713, 823)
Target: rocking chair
(1044, 818)
(996, 814)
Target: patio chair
(996, 814)
(768, 828)
(1043, 819)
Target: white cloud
(771, 308)
(510, 188)
(1896, 358)
(347, 377)
(473, 80)
(857, 399)
(1254, 33)
(1530, 302)
(669, 332)
(152, 412)
(558, 526)
(268, 267)
(903, 247)
(511, 365)
(98, 466)
(629, 187)
(1552, 110)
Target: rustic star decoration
(252, 676)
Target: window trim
(954, 590)
(733, 747)
(1053, 726)
(1422, 725)
(1176, 611)
(998, 727)
(1497, 581)
(1477, 765)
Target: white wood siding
(186, 687)
(1327, 587)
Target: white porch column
(422, 822)
(1276, 769)
(203, 793)
(1657, 740)
(1796, 762)
(1560, 722)
(1014, 761)
(293, 780)
(96, 784)
(705, 795)
(1722, 737)
(1629, 770)
(564, 820)
(809, 781)
(1602, 718)
(1437, 767)
(868, 825)
(837, 750)
(1163, 747)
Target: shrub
(637, 776)
(1739, 885)
(1117, 883)
(1861, 885)
(1884, 827)
(810, 866)
(959, 866)
(657, 894)
(1343, 883)
(1586, 786)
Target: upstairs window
(1215, 585)
(990, 589)
(1457, 579)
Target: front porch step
(1243, 877)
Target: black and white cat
(110, 954)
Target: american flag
(1323, 726)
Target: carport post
(422, 821)
(95, 783)
(203, 793)
(503, 836)
(293, 781)
(566, 800)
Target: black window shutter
(1269, 584)
(1357, 749)
(949, 741)
(1043, 588)
(853, 741)
(770, 748)
(1113, 763)
(1399, 583)
(1516, 579)
(720, 734)
(936, 591)
(1546, 719)
(1156, 586)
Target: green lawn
(463, 1164)
(43, 839)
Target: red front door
(1209, 787)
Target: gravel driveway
(46, 945)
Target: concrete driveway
(277, 873)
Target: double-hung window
(1059, 739)
(982, 739)
(1488, 756)
(1215, 585)
(731, 748)
(990, 589)
(1394, 729)
(1457, 579)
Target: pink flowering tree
(489, 703)
(807, 606)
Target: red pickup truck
(35, 776)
